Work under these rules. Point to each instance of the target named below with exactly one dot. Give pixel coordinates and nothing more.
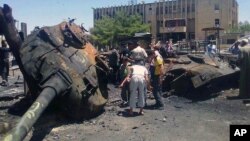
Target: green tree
(103, 31)
(245, 27)
(107, 30)
(241, 28)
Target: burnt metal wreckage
(197, 76)
(59, 65)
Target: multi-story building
(24, 29)
(180, 19)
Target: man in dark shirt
(125, 52)
(4, 63)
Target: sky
(51, 12)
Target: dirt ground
(181, 120)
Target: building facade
(180, 19)
(24, 29)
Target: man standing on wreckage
(57, 63)
(244, 59)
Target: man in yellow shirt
(157, 79)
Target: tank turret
(59, 64)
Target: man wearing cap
(244, 59)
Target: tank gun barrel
(57, 84)
(30, 117)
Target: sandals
(130, 113)
(141, 113)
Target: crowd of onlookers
(137, 71)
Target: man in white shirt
(214, 49)
(138, 54)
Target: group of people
(166, 50)
(115, 57)
(136, 78)
(4, 63)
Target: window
(193, 7)
(97, 15)
(174, 8)
(178, 9)
(170, 23)
(161, 23)
(217, 22)
(161, 10)
(180, 22)
(175, 23)
(157, 10)
(166, 10)
(216, 7)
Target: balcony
(173, 29)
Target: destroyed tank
(198, 75)
(59, 64)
